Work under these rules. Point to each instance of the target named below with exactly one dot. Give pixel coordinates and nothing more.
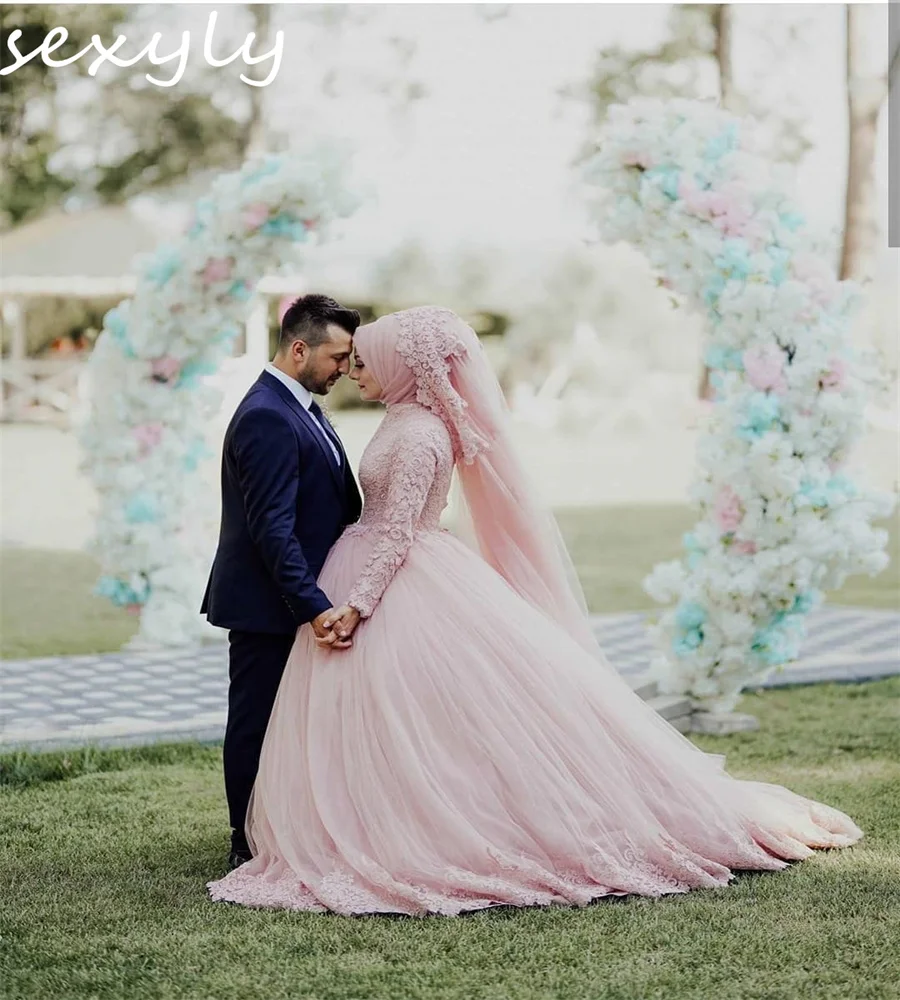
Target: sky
(486, 157)
(490, 149)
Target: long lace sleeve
(413, 472)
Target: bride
(464, 744)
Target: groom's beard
(318, 387)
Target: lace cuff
(414, 471)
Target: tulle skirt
(465, 753)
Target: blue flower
(122, 593)
(813, 494)
(694, 550)
(804, 603)
(117, 326)
(225, 335)
(163, 266)
(780, 259)
(682, 645)
(270, 165)
(717, 146)
(192, 371)
(719, 357)
(196, 452)
(761, 414)
(690, 615)
(779, 642)
(791, 220)
(283, 225)
(666, 178)
(840, 488)
(240, 291)
(734, 259)
(142, 508)
(714, 288)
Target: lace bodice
(405, 474)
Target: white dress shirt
(304, 398)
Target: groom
(287, 494)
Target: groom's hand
(326, 637)
(342, 621)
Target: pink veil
(444, 367)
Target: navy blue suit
(285, 502)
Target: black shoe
(238, 858)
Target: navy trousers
(256, 663)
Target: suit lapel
(310, 421)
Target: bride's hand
(343, 622)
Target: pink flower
(756, 234)
(719, 203)
(733, 223)
(255, 215)
(217, 269)
(165, 368)
(637, 158)
(728, 510)
(765, 368)
(745, 548)
(695, 200)
(836, 376)
(148, 436)
(817, 275)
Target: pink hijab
(431, 356)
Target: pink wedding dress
(466, 752)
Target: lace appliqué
(426, 342)
(411, 477)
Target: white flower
(785, 544)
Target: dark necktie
(319, 417)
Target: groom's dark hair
(308, 317)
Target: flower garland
(781, 521)
(144, 436)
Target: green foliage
(686, 64)
(29, 101)
(169, 137)
(132, 136)
(682, 65)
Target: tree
(867, 86)
(29, 111)
(128, 135)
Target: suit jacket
(285, 503)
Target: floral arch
(780, 518)
(145, 434)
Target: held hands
(334, 628)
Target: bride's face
(369, 386)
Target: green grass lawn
(106, 854)
(48, 607)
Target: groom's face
(318, 368)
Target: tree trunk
(722, 21)
(865, 93)
(255, 133)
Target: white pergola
(89, 255)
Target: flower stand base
(723, 723)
